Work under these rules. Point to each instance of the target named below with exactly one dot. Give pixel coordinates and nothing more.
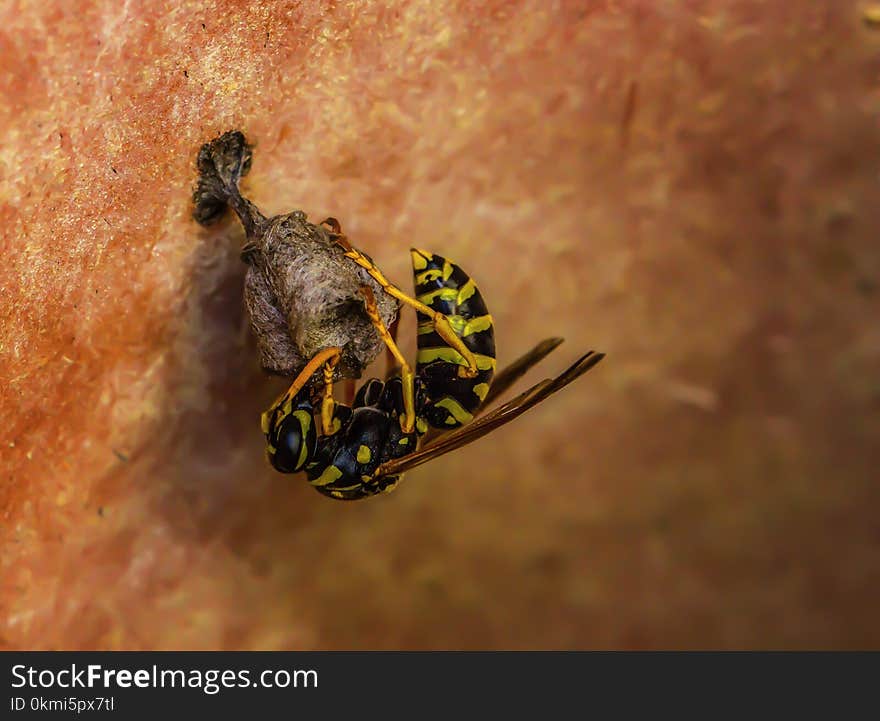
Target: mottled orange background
(689, 186)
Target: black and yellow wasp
(352, 452)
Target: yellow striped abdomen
(447, 289)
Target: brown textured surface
(688, 186)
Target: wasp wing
(495, 419)
(516, 370)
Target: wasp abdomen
(446, 288)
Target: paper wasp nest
(302, 294)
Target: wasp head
(290, 436)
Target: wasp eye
(294, 442)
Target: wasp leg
(440, 321)
(332, 225)
(286, 399)
(328, 405)
(408, 421)
(391, 366)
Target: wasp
(361, 450)
(322, 310)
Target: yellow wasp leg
(408, 421)
(443, 328)
(441, 323)
(328, 355)
(328, 405)
(390, 368)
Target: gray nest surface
(302, 294)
